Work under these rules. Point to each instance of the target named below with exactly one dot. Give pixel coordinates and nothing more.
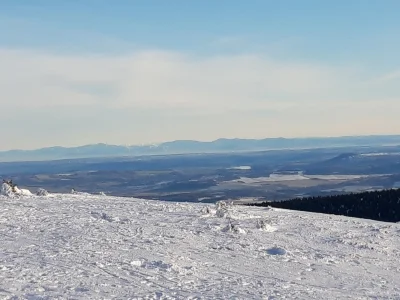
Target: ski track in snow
(98, 247)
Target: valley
(249, 176)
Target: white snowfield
(98, 247)
(300, 176)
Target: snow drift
(13, 191)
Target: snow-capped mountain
(81, 246)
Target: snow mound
(42, 192)
(75, 192)
(6, 190)
(22, 192)
(9, 191)
(263, 225)
(233, 228)
(14, 191)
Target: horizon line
(202, 141)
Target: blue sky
(132, 72)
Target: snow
(380, 154)
(203, 198)
(81, 246)
(341, 177)
(300, 176)
(6, 190)
(241, 168)
(270, 178)
(23, 192)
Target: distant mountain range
(191, 146)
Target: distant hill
(191, 146)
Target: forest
(381, 205)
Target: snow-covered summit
(98, 247)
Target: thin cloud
(388, 77)
(154, 96)
(160, 79)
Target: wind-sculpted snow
(99, 247)
(6, 190)
(9, 191)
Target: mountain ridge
(194, 146)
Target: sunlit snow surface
(100, 247)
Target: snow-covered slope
(99, 247)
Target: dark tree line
(377, 205)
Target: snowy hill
(99, 247)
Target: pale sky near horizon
(132, 72)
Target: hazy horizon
(196, 140)
(130, 73)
